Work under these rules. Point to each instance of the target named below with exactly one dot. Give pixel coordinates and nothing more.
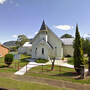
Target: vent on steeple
(43, 27)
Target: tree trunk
(77, 69)
(82, 72)
(53, 61)
(52, 66)
(89, 66)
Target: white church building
(46, 44)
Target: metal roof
(27, 44)
(67, 41)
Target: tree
(52, 61)
(8, 59)
(86, 49)
(21, 40)
(85, 45)
(52, 57)
(66, 36)
(78, 52)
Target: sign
(17, 56)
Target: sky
(26, 16)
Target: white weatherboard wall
(56, 42)
(68, 50)
(50, 42)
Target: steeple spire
(43, 26)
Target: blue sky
(26, 16)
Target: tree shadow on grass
(3, 89)
(24, 60)
(66, 74)
(3, 66)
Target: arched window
(36, 52)
(42, 51)
(56, 51)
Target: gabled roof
(27, 44)
(44, 27)
(67, 41)
(4, 46)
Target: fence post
(15, 65)
(18, 65)
(26, 67)
(42, 67)
(59, 68)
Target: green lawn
(66, 74)
(14, 66)
(71, 60)
(19, 85)
(41, 61)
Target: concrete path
(63, 63)
(30, 65)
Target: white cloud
(36, 33)
(14, 36)
(2, 1)
(63, 27)
(86, 35)
(30, 37)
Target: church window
(56, 51)
(43, 39)
(42, 51)
(36, 52)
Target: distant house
(25, 49)
(3, 50)
(67, 46)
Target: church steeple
(43, 26)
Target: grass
(66, 74)
(71, 61)
(14, 66)
(41, 60)
(19, 85)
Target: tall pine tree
(78, 52)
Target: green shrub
(62, 58)
(86, 60)
(41, 60)
(71, 61)
(8, 59)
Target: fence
(15, 65)
(42, 68)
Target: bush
(68, 56)
(62, 58)
(71, 61)
(86, 60)
(41, 60)
(8, 59)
